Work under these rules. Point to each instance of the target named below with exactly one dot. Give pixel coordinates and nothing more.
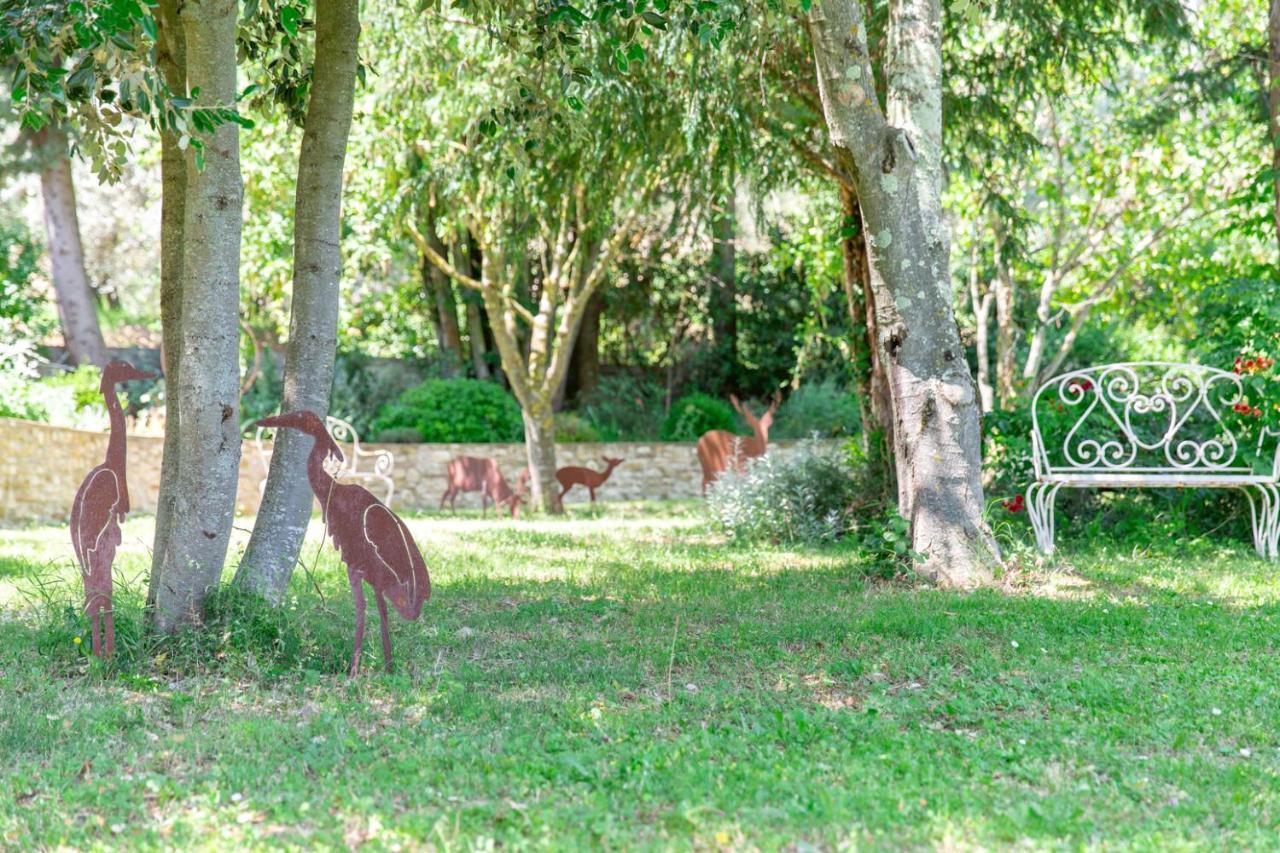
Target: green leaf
(289, 17)
(655, 20)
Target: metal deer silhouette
(469, 474)
(572, 475)
(99, 506)
(719, 450)
(373, 542)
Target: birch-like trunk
(171, 58)
(281, 524)
(896, 155)
(204, 485)
(79, 318)
(1006, 335)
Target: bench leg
(1264, 512)
(1040, 498)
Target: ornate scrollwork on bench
(1153, 424)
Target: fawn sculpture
(573, 475)
(373, 542)
(100, 505)
(470, 474)
(719, 450)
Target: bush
(695, 414)
(824, 408)
(572, 428)
(448, 410)
(623, 408)
(806, 496)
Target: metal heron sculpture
(373, 542)
(100, 505)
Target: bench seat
(1158, 425)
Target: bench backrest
(1148, 417)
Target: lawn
(629, 679)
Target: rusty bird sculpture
(373, 542)
(100, 505)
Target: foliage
(805, 496)
(571, 427)
(622, 407)
(364, 386)
(19, 262)
(453, 410)
(71, 399)
(822, 408)
(887, 543)
(695, 414)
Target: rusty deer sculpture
(719, 450)
(373, 542)
(573, 475)
(99, 506)
(469, 474)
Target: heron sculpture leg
(111, 631)
(357, 590)
(386, 636)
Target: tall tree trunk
(450, 335)
(874, 402)
(584, 366)
(540, 448)
(1273, 102)
(1006, 332)
(981, 302)
(204, 485)
(476, 337)
(171, 57)
(80, 329)
(282, 518)
(724, 278)
(895, 155)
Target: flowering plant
(1257, 411)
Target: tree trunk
(724, 279)
(584, 366)
(1006, 334)
(446, 307)
(76, 309)
(874, 403)
(282, 519)
(475, 335)
(540, 448)
(896, 162)
(1273, 102)
(171, 58)
(204, 486)
(981, 302)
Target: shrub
(572, 428)
(623, 408)
(694, 414)
(823, 408)
(448, 410)
(807, 496)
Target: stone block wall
(41, 467)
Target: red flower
(1015, 505)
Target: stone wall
(41, 467)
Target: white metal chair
(349, 468)
(1154, 425)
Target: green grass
(629, 680)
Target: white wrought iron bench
(349, 468)
(1154, 425)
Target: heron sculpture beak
(273, 421)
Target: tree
(285, 511)
(76, 308)
(199, 496)
(895, 156)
